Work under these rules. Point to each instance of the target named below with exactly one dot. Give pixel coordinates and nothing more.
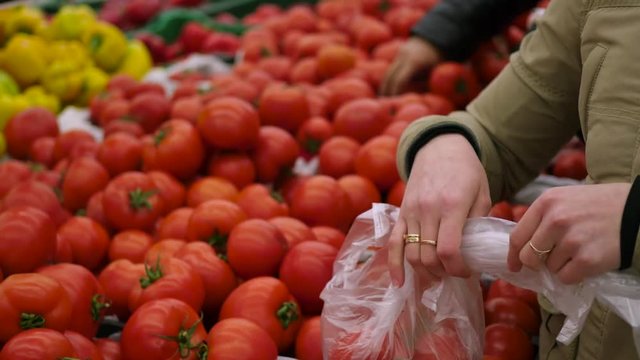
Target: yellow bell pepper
(107, 45)
(8, 85)
(37, 96)
(24, 58)
(137, 61)
(71, 22)
(95, 81)
(69, 51)
(63, 79)
(9, 106)
(3, 145)
(23, 19)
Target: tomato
(305, 71)
(277, 66)
(168, 278)
(305, 270)
(149, 110)
(122, 83)
(175, 148)
(401, 19)
(83, 346)
(171, 190)
(309, 340)
(110, 349)
(37, 195)
(83, 178)
(163, 249)
(85, 293)
(313, 133)
(27, 126)
(210, 188)
(454, 81)
(411, 112)
(255, 248)
(163, 329)
(66, 141)
(442, 343)
(502, 288)
(229, 123)
(212, 221)
(241, 339)
(267, 302)
(257, 201)
(174, 225)
(513, 312)
(114, 110)
(488, 62)
(518, 211)
(396, 193)
(118, 278)
(12, 172)
(235, 167)
(329, 235)
(88, 239)
(337, 156)
(120, 152)
(217, 276)
(41, 150)
(362, 193)
(502, 210)
(508, 342)
(361, 119)
(369, 32)
(38, 344)
(131, 201)
(27, 240)
(187, 108)
(334, 59)
(321, 201)
(48, 177)
(570, 164)
(294, 230)
(131, 245)
(123, 125)
(438, 104)
(30, 301)
(275, 153)
(100, 101)
(343, 90)
(95, 210)
(376, 160)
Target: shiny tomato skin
(309, 340)
(362, 193)
(163, 249)
(131, 201)
(209, 188)
(212, 221)
(88, 239)
(375, 160)
(118, 279)
(337, 156)
(38, 344)
(454, 81)
(229, 123)
(38, 195)
(238, 338)
(12, 172)
(275, 153)
(294, 230)
(236, 167)
(26, 127)
(174, 225)
(129, 244)
(502, 288)
(120, 152)
(255, 248)
(512, 311)
(508, 342)
(284, 106)
(110, 349)
(321, 201)
(502, 210)
(258, 201)
(83, 346)
(171, 190)
(329, 235)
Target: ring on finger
(540, 253)
(411, 238)
(429, 242)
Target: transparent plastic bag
(365, 317)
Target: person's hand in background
(415, 56)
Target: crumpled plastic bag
(366, 317)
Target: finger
(412, 250)
(389, 77)
(572, 272)
(400, 78)
(428, 253)
(395, 259)
(521, 234)
(481, 206)
(558, 258)
(450, 239)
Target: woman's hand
(415, 55)
(574, 229)
(447, 185)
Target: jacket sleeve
(456, 27)
(526, 114)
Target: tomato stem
(153, 273)
(287, 313)
(159, 136)
(184, 342)
(277, 196)
(461, 86)
(223, 257)
(31, 321)
(218, 241)
(98, 303)
(139, 199)
(312, 145)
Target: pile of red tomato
(187, 222)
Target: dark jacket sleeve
(456, 27)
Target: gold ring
(539, 252)
(429, 242)
(411, 238)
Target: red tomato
(27, 240)
(163, 249)
(49, 177)
(26, 127)
(229, 123)
(66, 141)
(502, 210)
(508, 342)
(305, 270)
(235, 167)
(41, 150)
(187, 108)
(275, 153)
(37, 344)
(313, 133)
(83, 346)
(362, 193)
(267, 302)
(131, 201)
(376, 160)
(212, 221)
(171, 190)
(124, 126)
(120, 152)
(570, 164)
(294, 230)
(321, 201)
(168, 278)
(238, 338)
(343, 90)
(513, 312)
(309, 340)
(110, 349)
(361, 119)
(454, 81)
(488, 62)
(35, 194)
(255, 248)
(95, 210)
(217, 276)
(518, 211)
(396, 193)
(174, 225)
(31, 301)
(163, 329)
(258, 201)
(337, 156)
(329, 235)
(12, 172)
(305, 71)
(131, 245)
(502, 288)
(85, 293)
(122, 82)
(118, 279)
(396, 129)
(284, 106)
(438, 104)
(175, 148)
(149, 110)
(88, 239)
(83, 178)
(211, 188)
